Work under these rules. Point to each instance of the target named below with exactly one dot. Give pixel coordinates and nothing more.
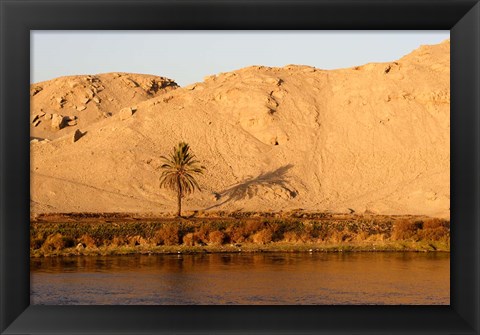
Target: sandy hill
(62, 105)
(373, 138)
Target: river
(244, 278)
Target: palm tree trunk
(179, 203)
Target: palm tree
(178, 172)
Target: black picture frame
(18, 17)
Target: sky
(189, 56)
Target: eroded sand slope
(372, 138)
(84, 100)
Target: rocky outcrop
(89, 97)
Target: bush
(339, 236)
(436, 223)
(237, 235)
(264, 236)
(88, 241)
(36, 243)
(362, 236)
(118, 242)
(137, 240)
(435, 230)
(252, 226)
(68, 242)
(202, 234)
(322, 230)
(216, 237)
(167, 235)
(53, 242)
(406, 229)
(190, 239)
(291, 237)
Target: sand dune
(373, 138)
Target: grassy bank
(90, 235)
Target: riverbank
(121, 234)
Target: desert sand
(369, 139)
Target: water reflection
(269, 278)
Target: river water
(245, 278)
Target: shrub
(216, 237)
(167, 235)
(88, 241)
(362, 236)
(436, 234)
(252, 226)
(189, 239)
(405, 229)
(291, 236)
(36, 243)
(237, 235)
(118, 241)
(436, 223)
(264, 236)
(308, 233)
(53, 242)
(241, 231)
(137, 240)
(339, 236)
(322, 230)
(68, 242)
(202, 234)
(435, 230)
(288, 225)
(378, 237)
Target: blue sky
(188, 56)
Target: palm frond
(179, 170)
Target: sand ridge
(372, 138)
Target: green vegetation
(248, 234)
(178, 173)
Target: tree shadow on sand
(245, 189)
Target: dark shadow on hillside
(244, 189)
